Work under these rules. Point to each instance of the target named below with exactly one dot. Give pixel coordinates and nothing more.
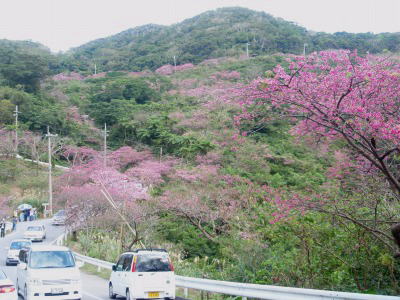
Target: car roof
(155, 251)
(48, 248)
(20, 240)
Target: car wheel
(25, 293)
(128, 295)
(18, 291)
(111, 291)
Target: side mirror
(114, 268)
(22, 265)
(80, 263)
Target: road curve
(94, 288)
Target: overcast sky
(62, 24)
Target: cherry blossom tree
(7, 143)
(338, 95)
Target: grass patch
(90, 269)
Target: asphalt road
(94, 288)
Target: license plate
(57, 291)
(154, 295)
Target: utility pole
(95, 69)
(105, 146)
(16, 112)
(304, 49)
(247, 49)
(49, 136)
(175, 61)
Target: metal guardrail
(244, 290)
(270, 291)
(94, 261)
(41, 163)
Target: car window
(60, 213)
(120, 262)
(126, 266)
(153, 263)
(35, 228)
(19, 245)
(51, 259)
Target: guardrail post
(98, 269)
(186, 292)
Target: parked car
(48, 272)
(35, 233)
(59, 218)
(7, 288)
(13, 251)
(144, 274)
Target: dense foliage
(223, 32)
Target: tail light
(6, 289)
(134, 264)
(171, 266)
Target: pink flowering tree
(7, 144)
(126, 179)
(338, 95)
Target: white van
(48, 272)
(143, 274)
(13, 251)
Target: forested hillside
(223, 32)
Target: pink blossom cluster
(68, 76)
(7, 143)
(170, 69)
(199, 173)
(126, 157)
(151, 171)
(211, 158)
(165, 70)
(183, 67)
(338, 95)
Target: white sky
(61, 24)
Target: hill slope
(222, 32)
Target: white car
(48, 272)
(13, 251)
(144, 274)
(59, 218)
(7, 288)
(35, 233)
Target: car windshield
(34, 228)
(153, 263)
(61, 213)
(19, 245)
(2, 275)
(51, 259)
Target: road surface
(94, 288)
